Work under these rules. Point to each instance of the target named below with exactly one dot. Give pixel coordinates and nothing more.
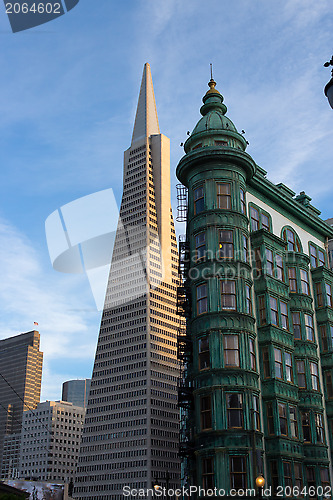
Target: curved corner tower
(224, 375)
(256, 394)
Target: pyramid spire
(146, 120)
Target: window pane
(265, 221)
(305, 282)
(296, 324)
(226, 245)
(224, 196)
(274, 311)
(198, 200)
(202, 299)
(309, 327)
(279, 267)
(284, 315)
(238, 472)
(200, 245)
(204, 357)
(269, 262)
(231, 350)
(228, 290)
(254, 219)
(235, 410)
(313, 256)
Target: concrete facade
(20, 386)
(131, 428)
(50, 441)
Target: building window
(311, 477)
(305, 282)
(259, 219)
(329, 384)
(284, 315)
(320, 436)
(238, 472)
(204, 356)
(231, 350)
(226, 244)
(270, 418)
(287, 474)
(296, 317)
(329, 295)
(208, 473)
(292, 279)
(228, 295)
(317, 256)
(298, 475)
(242, 201)
(199, 200)
(262, 310)
(235, 410)
(301, 374)
(323, 336)
(274, 311)
(265, 355)
(283, 419)
(314, 376)
(325, 479)
(319, 295)
(309, 327)
(224, 196)
(274, 475)
(279, 267)
(289, 367)
(205, 412)
(248, 299)
(269, 262)
(253, 362)
(278, 363)
(258, 262)
(265, 221)
(256, 413)
(254, 219)
(245, 249)
(306, 427)
(200, 246)
(202, 305)
(293, 243)
(293, 421)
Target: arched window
(293, 241)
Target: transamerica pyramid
(131, 431)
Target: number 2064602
(35, 8)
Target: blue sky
(68, 96)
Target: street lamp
(260, 483)
(329, 86)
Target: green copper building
(256, 392)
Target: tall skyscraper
(76, 392)
(20, 385)
(130, 435)
(258, 390)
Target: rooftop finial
(212, 82)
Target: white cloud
(68, 322)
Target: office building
(76, 391)
(130, 435)
(257, 390)
(20, 385)
(50, 441)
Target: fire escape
(185, 353)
